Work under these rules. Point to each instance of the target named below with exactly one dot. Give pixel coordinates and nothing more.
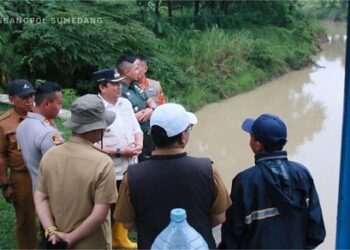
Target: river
(310, 101)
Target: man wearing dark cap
(142, 105)
(171, 179)
(36, 134)
(275, 203)
(76, 183)
(17, 187)
(123, 139)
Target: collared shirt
(121, 132)
(76, 176)
(35, 136)
(8, 141)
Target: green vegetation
(201, 51)
(7, 222)
(335, 10)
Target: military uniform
(138, 99)
(20, 181)
(36, 135)
(76, 176)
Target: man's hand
(148, 113)
(9, 194)
(131, 150)
(139, 115)
(138, 147)
(57, 236)
(144, 115)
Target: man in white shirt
(123, 139)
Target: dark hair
(123, 61)
(47, 90)
(103, 83)
(278, 146)
(160, 138)
(142, 59)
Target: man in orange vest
(151, 87)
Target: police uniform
(36, 135)
(20, 181)
(76, 176)
(153, 90)
(138, 99)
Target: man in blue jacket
(275, 203)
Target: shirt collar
(36, 116)
(77, 139)
(107, 104)
(277, 155)
(18, 116)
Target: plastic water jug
(179, 234)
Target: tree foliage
(200, 50)
(57, 47)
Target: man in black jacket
(171, 179)
(275, 203)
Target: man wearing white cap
(171, 179)
(76, 184)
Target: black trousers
(147, 147)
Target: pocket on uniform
(12, 141)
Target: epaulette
(5, 115)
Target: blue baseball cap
(268, 129)
(21, 88)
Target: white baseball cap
(173, 118)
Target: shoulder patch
(56, 139)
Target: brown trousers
(26, 231)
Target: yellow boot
(120, 237)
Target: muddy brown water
(310, 101)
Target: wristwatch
(5, 186)
(118, 153)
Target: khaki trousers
(26, 231)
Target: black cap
(108, 75)
(21, 88)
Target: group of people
(125, 167)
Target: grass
(7, 225)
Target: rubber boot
(120, 237)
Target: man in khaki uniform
(17, 187)
(76, 183)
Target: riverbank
(223, 63)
